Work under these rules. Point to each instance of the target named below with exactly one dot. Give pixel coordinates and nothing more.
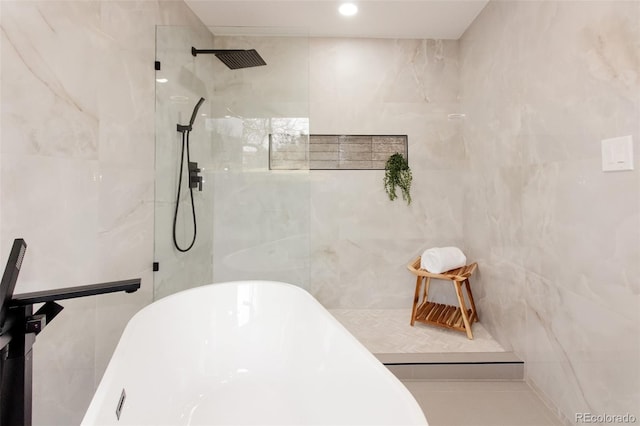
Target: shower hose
(185, 144)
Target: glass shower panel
(261, 216)
(252, 222)
(181, 81)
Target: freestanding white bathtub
(247, 352)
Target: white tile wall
(361, 241)
(336, 232)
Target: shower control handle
(195, 180)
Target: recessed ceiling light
(348, 9)
(162, 80)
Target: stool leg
(474, 312)
(416, 298)
(425, 293)
(463, 308)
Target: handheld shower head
(195, 111)
(189, 127)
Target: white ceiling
(436, 19)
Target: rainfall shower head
(234, 58)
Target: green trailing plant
(398, 174)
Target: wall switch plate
(617, 154)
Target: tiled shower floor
(388, 331)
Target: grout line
(548, 403)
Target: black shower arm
(195, 51)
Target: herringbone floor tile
(388, 331)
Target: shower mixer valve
(195, 180)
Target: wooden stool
(455, 317)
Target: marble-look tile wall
(336, 232)
(557, 239)
(77, 173)
(361, 241)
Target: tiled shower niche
(333, 152)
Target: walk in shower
(252, 223)
(267, 213)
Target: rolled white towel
(442, 259)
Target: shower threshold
(423, 352)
